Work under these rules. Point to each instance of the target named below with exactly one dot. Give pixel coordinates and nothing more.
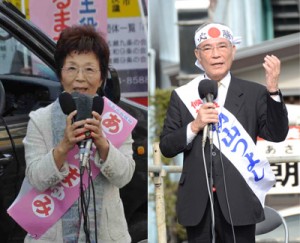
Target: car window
(16, 59)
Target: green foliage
(160, 102)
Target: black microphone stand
(209, 180)
(211, 147)
(84, 202)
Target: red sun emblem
(214, 32)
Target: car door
(27, 84)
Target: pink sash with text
(37, 211)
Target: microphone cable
(225, 187)
(94, 202)
(209, 190)
(85, 202)
(95, 212)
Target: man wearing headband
(242, 111)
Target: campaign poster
(121, 23)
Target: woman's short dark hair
(82, 39)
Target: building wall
(289, 81)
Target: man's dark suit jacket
(260, 115)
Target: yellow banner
(122, 8)
(18, 4)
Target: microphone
(208, 91)
(84, 105)
(84, 110)
(67, 103)
(98, 105)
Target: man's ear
(233, 52)
(197, 54)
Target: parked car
(292, 219)
(28, 82)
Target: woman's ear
(100, 90)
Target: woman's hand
(74, 133)
(94, 126)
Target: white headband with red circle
(215, 31)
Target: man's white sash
(235, 143)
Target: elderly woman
(82, 57)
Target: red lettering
(42, 206)
(72, 176)
(61, 17)
(112, 124)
